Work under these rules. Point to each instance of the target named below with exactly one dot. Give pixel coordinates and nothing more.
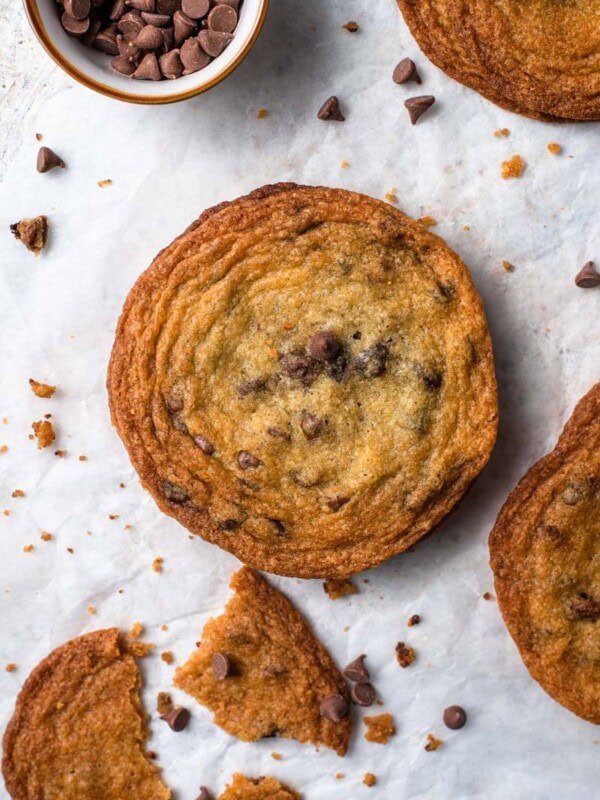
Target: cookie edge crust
(500, 545)
(292, 563)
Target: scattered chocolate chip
(406, 71)
(131, 23)
(312, 426)
(414, 620)
(277, 433)
(588, 276)
(123, 65)
(204, 794)
(147, 69)
(106, 42)
(75, 27)
(78, 9)
(195, 9)
(47, 160)
(335, 503)
(32, 232)
(252, 386)
(222, 18)
(331, 110)
(149, 38)
(174, 493)
(214, 42)
(372, 362)
(351, 26)
(430, 377)
(585, 607)
(177, 719)
(324, 346)
(363, 694)
(221, 666)
(417, 106)
(455, 717)
(356, 670)
(334, 708)
(204, 445)
(405, 655)
(247, 461)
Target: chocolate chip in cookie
(311, 424)
(372, 362)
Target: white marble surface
(58, 314)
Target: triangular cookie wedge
(78, 731)
(264, 788)
(262, 672)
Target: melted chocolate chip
(301, 367)
(277, 433)
(324, 346)
(334, 708)
(312, 426)
(430, 377)
(247, 461)
(279, 526)
(573, 493)
(229, 524)
(174, 404)
(585, 607)
(335, 503)
(174, 493)
(371, 363)
(252, 386)
(337, 368)
(204, 445)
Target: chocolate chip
(75, 27)
(214, 42)
(414, 620)
(177, 719)
(148, 69)
(149, 38)
(455, 717)
(123, 65)
(168, 6)
(229, 525)
(334, 708)
(131, 23)
(356, 670)
(47, 160)
(130, 52)
(142, 5)
(351, 27)
(252, 386)
(92, 32)
(363, 694)
(202, 442)
(335, 503)
(222, 18)
(371, 363)
(417, 106)
(324, 346)
(357, 335)
(183, 28)
(588, 276)
(117, 10)
(430, 377)
(330, 110)
(106, 41)
(276, 433)
(585, 607)
(405, 72)
(168, 39)
(204, 794)
(221, 666)
(312, 426)
(174, 493)
(247, 461)
(78, 9)
(301, 367)
(171, 67)
(195, 9)
(235, 4)
(158, 20)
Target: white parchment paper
(58, 314)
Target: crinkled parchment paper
(57, 317)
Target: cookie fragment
(379, 728)
(41, 389)
(263, 788)
(44, 433)
(283, 680)
(32, 232)
(335, 589)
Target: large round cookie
(545, 553)
(305, 378)
(537, 58)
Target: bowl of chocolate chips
(147, 51)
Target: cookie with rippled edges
(263, 788)
(305, 378)
(262, 673)
(537, 58)
(78, 730)
(545, 554)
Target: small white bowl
(92, 68)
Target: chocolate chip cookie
(545, 553)
(78, 730)
(305, 378)
(537, 58)
(261, 671)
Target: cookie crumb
(414, 620)
(428, 222)
(466, 227)
(488, 596)
(513, 168)
(167, 657)
(501, 133)
(164, 627)
(433, 743)
(39, 137)
(45, 536)
(83, 458)
(18, 493)
(105, 182)
(70, 550)
(262, 113)
(339, 775)
(4, 448)
(44, 433)
(164, 703)
(91, 610)
(28, 548)
(391, 196)
(508, 266)
(379, 728)
(10, 667)
(32, 232)
(6, 512)
(339, 588)
(344, 164)
(41, 389)
(113, 516)
(276, 756)
(554, 148)
(157, 564)
(136, 630)
(60, 453)
(369, 779)
(405, 655)
(351, 26)
(140, 649)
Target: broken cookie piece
(335, 589)
(32, 232)
(41, 389)
(263, 788)
(44, 432)
(262, 672)
(78, 730)
(379, 728)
